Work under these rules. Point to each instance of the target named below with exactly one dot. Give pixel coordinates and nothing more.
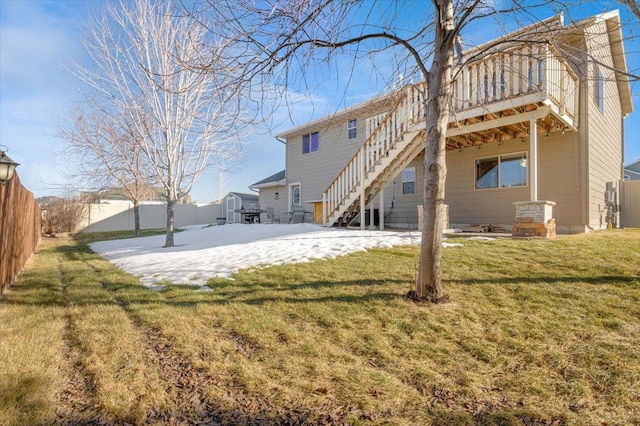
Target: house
(632, 171)
(235, 201)
(272, 194)
(535, 134)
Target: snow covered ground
(220, 251)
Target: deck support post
(363, 188)
(372, 221)
(324, 209)
(534, 218)
(533, 158)
(381, 209)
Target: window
(598, 89)
(352, 127)
(295, 194)
(310, 142)
(409, 180)
(502, 171)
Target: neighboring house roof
(632, 170)
(633, 166)
(273, 180)
(244, 197)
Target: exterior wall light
(7, 166)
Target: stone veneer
(534, 219)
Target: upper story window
(310, 142)
(598, 89)
(502, 171)
(409, 180)
(352, 127)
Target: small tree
(106, 153)
(181, 119)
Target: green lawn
(536, 332)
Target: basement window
(409, 180)
(502, 171)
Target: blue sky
(38, 37)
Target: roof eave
(614, 29)
(280, 182)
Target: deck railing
(513, 73)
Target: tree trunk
(429, 283)
(171, 203)
(136, 217)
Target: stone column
(534, 219)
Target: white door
(294, 195)
(231, 206)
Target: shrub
(63, 215)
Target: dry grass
(540, 332)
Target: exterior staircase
(391, 146)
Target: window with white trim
(409, 180)
(502, 171)
(310, 142)
(352, 128)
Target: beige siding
(559, 173)
(401, 210)
(604, 129)
(267, 198)
(630, 204)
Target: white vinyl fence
(119, 216)
(630, 204)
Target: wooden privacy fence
(20, 229)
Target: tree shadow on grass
(622, 280)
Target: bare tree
(281, 41)
(182, 120)
(106, 153)
(633, 7)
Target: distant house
(234, 201)
(530, 123)
(632, 171)
(273, 192)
